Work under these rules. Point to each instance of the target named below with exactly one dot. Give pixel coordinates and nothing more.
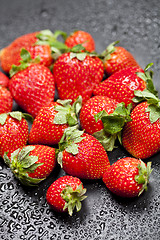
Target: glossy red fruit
(81, 37)
(121, 85)
(128, 177)
(117, 58)
(11, 54)
(33, 88)
(65, 194)
(49, 125)
(13, 132)
(4, 80)
(93, 106)
(141, 136)
(6, 100)
(76, 77)
(32, 164)
(82, 155)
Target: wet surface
(24, 213)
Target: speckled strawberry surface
(121, 85)
(141, 137)
(81, 37)
(33, 88)
(90, 162)
(13, 134)
(93, 106)
(6, 100)
(118, 60)
(44, 130)
(74, 77)
(4, 80)
(121, 178)
(11, 54)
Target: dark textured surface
(24, 213)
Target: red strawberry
(77, 74)
(81, 155)
(65, 194)
(31, 164)
(32, 85)
(4, 80)
(117, 58)
(11, 54)
(104, 118)
(13, 131)
(51, 121)
(81, 37)
(128, 177)
(121, 85)
(141, 136)
(6, 100)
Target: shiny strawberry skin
(91, 161)
(120, 177)
(119, 60)
(141, 137)
(46, 155)
(74, 77)
(43, 130)
(121, 85)
(4, 80)
(13, 135)
(33, 88)
(6, 100)
(93, 106)
(81, 37)
(53, 195)
(11, 54)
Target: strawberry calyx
(113, 124)
(67, 113)
(21, 164)
(24, 63)
(143, 175)
(147, 76)
(106, 54)
(69, 141)
(16, 115)
(73, 198)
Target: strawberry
(141, 136)
(65, 194)
(37, 43)
(6, 100)
(4, 80)
(77, 74)
(51, 121)
(116, 58)
(13, 131)
(128, 177)
(31, 164)
(31, 85)
(104, 118)
(121, 85)
(81, 37)
(82, 155)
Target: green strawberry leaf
(24, 152)
(29, 161)
(106, 54)
(64, 103)
(73, 198)
(154, 112)
(143, 175)
(73, 148)
(3, 118)
(6, 159)
(107, 140)
(60, 118)
(17, 115)
(33, 167)
(24, 63)
(71, 120)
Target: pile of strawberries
(102, 98)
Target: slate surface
(24, 213)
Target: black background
(24, 213)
